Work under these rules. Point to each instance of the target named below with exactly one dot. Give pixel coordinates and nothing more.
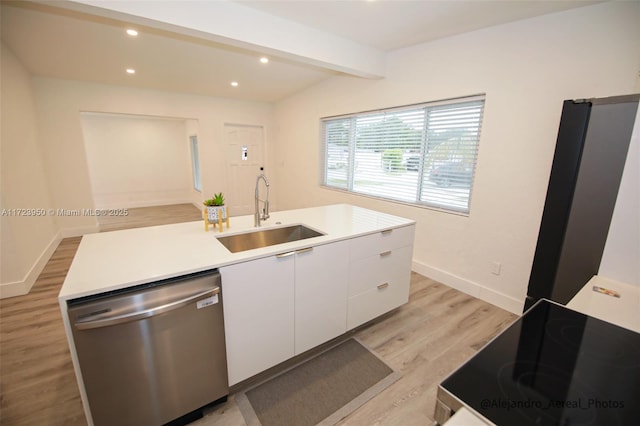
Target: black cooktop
(554, 366)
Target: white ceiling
(393, 24)
(56, 39)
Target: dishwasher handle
(135, 316)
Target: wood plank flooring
(425, 339)
(37, 378)
(150, 216)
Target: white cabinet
(379, 274)
(284, 305)
(281, 306)
(321, 294)
(258, 315)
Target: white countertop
(623, 311)
(120, 259)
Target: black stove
(553, 366)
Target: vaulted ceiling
(201, 47)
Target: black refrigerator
(590, 154)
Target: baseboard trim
(471, 288)
(13, 289)
(199, 206)
(20, 288)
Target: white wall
(137, 161)
(60, 103)
(27, 241)
(526, 69)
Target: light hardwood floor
(425, 340)
(37, 381)
(149, 216)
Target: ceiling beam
(240, 26)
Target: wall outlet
(496, 268)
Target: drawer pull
(383, 285)
(386, 231)
(287, 254)
(304, 250)
(385, 253)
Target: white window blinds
(421, 154)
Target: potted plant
(215, 208)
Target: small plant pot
(216, 212)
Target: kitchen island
(120, 259)
(280, 300)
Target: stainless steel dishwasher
(152, 354)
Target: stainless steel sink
(267, 237)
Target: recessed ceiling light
(234, 83)
(264, 60)
(131, 71)
(132, 32)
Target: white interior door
(245, 156)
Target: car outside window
(422, 154)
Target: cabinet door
(321, 294)
(258, 315)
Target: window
(195, 163)
(420, 154)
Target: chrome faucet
(265, 210)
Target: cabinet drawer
(390, 267)
(380, 242)
(375, 302)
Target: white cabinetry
(321, 294)
(258, 315)
(379, 274)
(284, 305)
